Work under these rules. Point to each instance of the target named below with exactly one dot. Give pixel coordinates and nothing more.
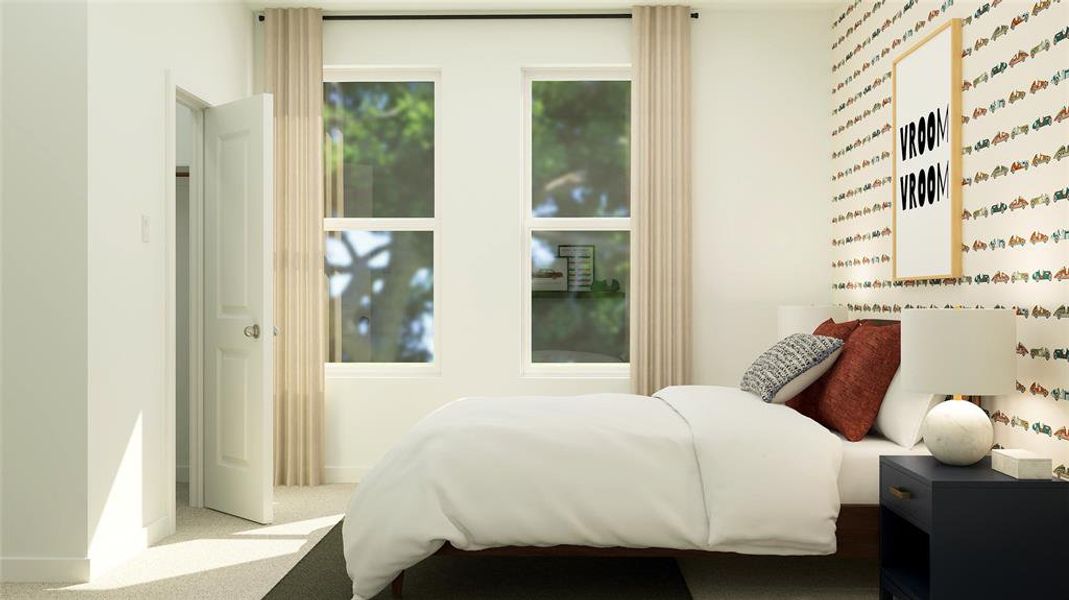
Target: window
(381, 224)
(577, 220)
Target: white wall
(42, 258)
(208, 48)
(82, 389)
(84, 459)
(762, 156)
(481, 131)
(761, 165)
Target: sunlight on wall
(119, 533)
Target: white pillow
(902, 413)
(800, 383)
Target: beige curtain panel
(294, 75)
(661, 188)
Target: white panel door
(238, 322)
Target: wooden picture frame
(926, 241)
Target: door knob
(252, 331)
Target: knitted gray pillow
(787, 368)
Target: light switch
(144, 229)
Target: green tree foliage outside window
(589, 327)
(581, 168)
(386, 132)
(379, 162)
(580, 148)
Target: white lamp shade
(959, 351)
(804, 319)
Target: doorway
(186, 134)
(185, 279)
(218, 389)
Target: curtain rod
(475, 16)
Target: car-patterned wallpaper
(1015, 229)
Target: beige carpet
(216, 556)
(212, 555)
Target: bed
(859, 475)
(709, 469)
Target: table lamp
(805, 318)
(959, 352)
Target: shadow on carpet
(321, 575)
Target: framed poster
(926, 177)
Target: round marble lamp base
(958, 432)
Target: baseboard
(44, 570)
(181, 473)
(79, 570)
(137, 541)
(158, 529)
(344, 474)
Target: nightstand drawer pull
(901, 493)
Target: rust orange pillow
(853, 389)
(841, 331)
(806, 401)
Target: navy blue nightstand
(968, 532)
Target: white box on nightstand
(1021, 464)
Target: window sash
(394, 370)
(532, 369)
(532, 225)
(342, 370)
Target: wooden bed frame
(857, 535)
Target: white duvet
(694, 467)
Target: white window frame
(532, 224)
(360, 73)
